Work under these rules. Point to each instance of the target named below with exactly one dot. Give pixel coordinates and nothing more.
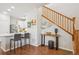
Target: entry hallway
(32, 50)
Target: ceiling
(20, 8)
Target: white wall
(13, 20)
(33, 30)
(68, 9)
(4, 28)
(39, 26)
(4, 24)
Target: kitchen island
(5, 41)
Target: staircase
(64, 22)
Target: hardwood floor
(40, 50)
(1, 52)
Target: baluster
(70, 26)
(62, 21)
(73, 25)
(58, 19)
(51, 15)
(54, 16)
(66, 23)
(42, 10)
(47, 13)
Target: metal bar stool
(17, 37)
(27, 36)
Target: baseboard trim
(7, 49)
(16, 47)
(65, 49)
(3, 49)
(35, 46)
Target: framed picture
(29, 24)
(33, 21)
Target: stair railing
(62, 21)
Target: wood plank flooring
(32, 50)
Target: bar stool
(27, 36)
(17, 37)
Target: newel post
(73, 36)
(73, 26)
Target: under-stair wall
(65, 39)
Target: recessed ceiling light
(5, 12)
(12, 7)
(9, 9)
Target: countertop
(10, 34)
(7, 34)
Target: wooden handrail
(58, 13)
